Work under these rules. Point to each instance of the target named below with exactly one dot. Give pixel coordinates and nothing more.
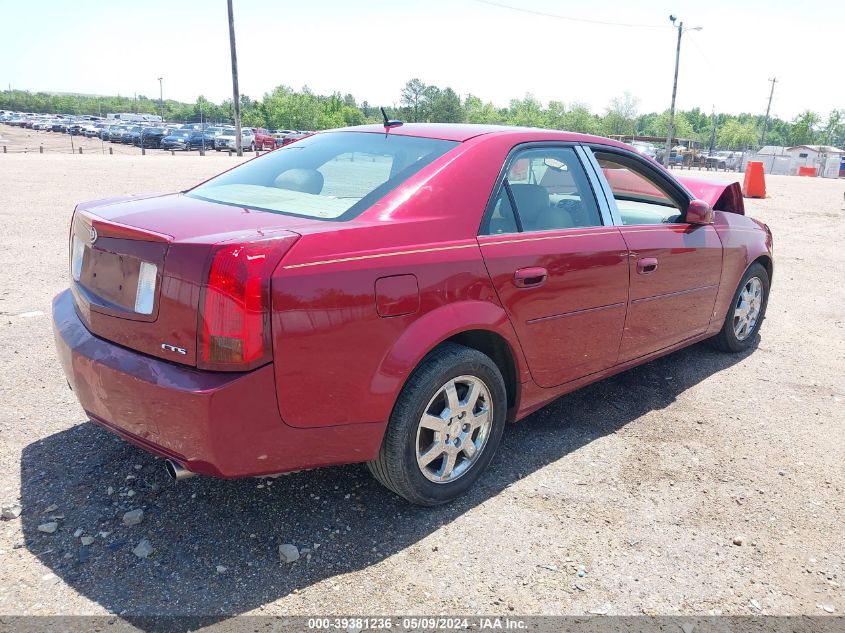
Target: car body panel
(675, 301)
(455, 295)
(571, 324)
(744, 241)
(184, 414)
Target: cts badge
(93, 234)
(172, 348)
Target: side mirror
(699, 212)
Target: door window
(640, 198)
(544, 189)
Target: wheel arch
(767, 263)
(495, 347)
(479, 325)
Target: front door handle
(530, 277)
(646, 265)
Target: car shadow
(202, 523)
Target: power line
(569, 18)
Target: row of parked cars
(156, 135)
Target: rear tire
(746, 312)
(445, 427)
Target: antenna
(389, 123)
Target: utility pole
(713, 129)
(671, 133)
(235, 92)
(773, 80)
(161, 97)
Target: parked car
(106, 132)
(134, 136)
(227, 140)
(263, 138)
(279, 135)
(195, 126)
(306, 309)
(287, 139)
(183, 139)
(151, 136)
(76, 128)
(116, 133)
(211, 135)
(91, 130)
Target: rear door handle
(646, 265)
(530, 277)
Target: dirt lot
(625, 497)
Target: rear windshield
(332, 176)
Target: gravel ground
(700, 483)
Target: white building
(774, 158)
(824, 158)
(785, 161)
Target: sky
(370, 48)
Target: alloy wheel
(747, 308)
(453, 429)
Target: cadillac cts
(393, 295)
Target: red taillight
(235, 318)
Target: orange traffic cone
(755, 183)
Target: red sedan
(394, 295)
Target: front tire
(445, 427)
(746, 313)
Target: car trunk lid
(143, 262)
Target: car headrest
(304, 180)
(532, 201)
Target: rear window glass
(332, 176)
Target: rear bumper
(213, 423)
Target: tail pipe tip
(177, 471)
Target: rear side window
(549, 190)
(331, 176)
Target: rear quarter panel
(337, 361)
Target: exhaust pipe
(177, 471)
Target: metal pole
(235, 93)
(774, 80)
(202, 129)
(161, 98)
(713, 130)
(671, 133)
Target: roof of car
(464, 131)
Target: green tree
(414, 97)
(834, 129)
(476, 111)
(527, 112)
(803, 130)
(620, 116)
(659, 126)
(578, 118)
(737, 136)
(445, 107)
